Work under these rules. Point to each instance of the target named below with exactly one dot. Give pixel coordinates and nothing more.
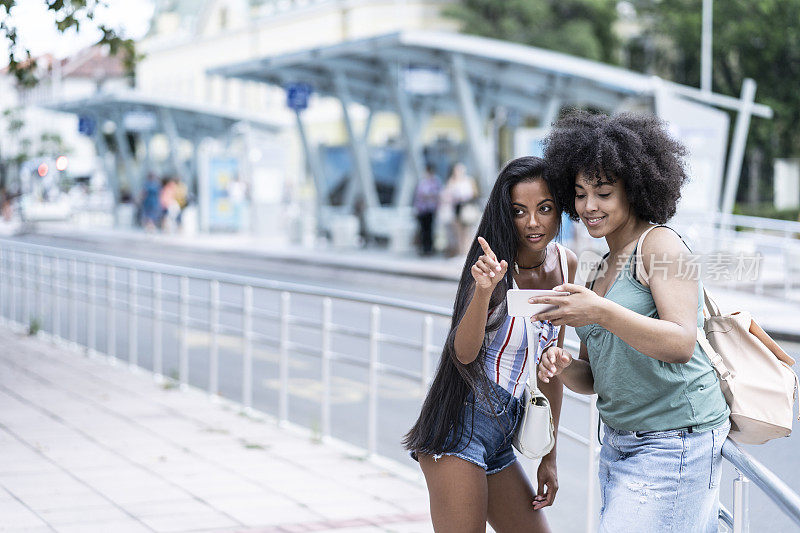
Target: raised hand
(487, 270)
(553, 362)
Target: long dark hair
(443, 406)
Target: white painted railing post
(325, 415)
(91, 311)
(183, 335)
(247, 356)
(591, 467)
(73, 301)
(26, 286)
(741, 504)
(158, 349)
(427, 339)
(372, 399)
(111, 326)
(12, 306)
(213, 363)
(133, 319)
(283, 399)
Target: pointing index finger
(486, 248)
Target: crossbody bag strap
(713, 356)
(532, 377)
(562, 257)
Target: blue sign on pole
(86, 125)
(297, 95)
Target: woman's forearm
(472, 328)
(660, 339)
(578, 377)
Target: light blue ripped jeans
(661, 481)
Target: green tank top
(638, 393)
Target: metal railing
(61, 292)
(777, 240)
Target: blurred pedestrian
(151, 204)
(458, 196)
(426, 202)
(170, 209)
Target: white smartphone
(518, 304)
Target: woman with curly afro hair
(664, 416)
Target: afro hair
(634, 148)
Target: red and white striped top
(507, 354)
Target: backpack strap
(643, 276)
(713, 356)
(709, 304)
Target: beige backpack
(755, 374)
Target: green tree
(69, 14)
(579, 27)
(757, 39)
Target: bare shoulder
(662, 241)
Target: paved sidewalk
(92, 447)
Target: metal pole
(283, 399)
(91, 312)
(327, 318)
(40, 290)
(56, 311)
(25, 284)
(705, 48)
(213, 366)
(73, 299)
(12, 273)
(741, 504)
(158, 358)
(313, 163)
(3, 277)
(358, 150)
(738, 145)
(471, 120)
(591, 468)
(372, 420)
(34, 294)
(183, 340)
(427, 339)
(111, 326)
(247, 359)
(133, 319)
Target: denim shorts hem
(496, 470)
(461, 456)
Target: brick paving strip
(89, 446)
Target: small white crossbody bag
(535, 434)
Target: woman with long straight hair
(664, 415)
(462, 438)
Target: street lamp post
(705, 50)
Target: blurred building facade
(187, 38)
(34, 134)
